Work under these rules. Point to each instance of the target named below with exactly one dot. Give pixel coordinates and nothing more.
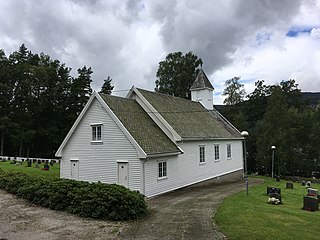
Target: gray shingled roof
(201, 81)
(142, 128)
(190, 119)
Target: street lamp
(245, 134)
(272, 165)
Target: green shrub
(95, 200)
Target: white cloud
(127, 39)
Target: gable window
(162, 169)
(96, 132)
(228, 151)
(216, 152)
(202, 154)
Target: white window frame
(162, 170)
(229, 151)
(216, 152)
(202, 154)
(95, 137)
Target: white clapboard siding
(98, 162)
(185, 169)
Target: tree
(107, 87)
(80, 90)
(273, 130)
(234, 91)
(177, 73)
(6, 96)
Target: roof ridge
(168, 95)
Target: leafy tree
(234, 91)
(80, 90)
(107, 87)
(177, 73)
(273, 131)
(6, 96)
(39, 101)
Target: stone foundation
(230, 177)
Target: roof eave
(157, 155)
(209, 138)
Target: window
(96, 132)
(162, 168)
(202, 152)
(228, 151)
(216, 152)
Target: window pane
(202, 154)
(164, 169)
(160, 169)
(216, 152)
(98, 132)
(229, 151)
(94, 133)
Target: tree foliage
(278, 115)
(39, 101)
(177, 73)
(107, 87)
(234, 91)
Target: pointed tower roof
(201, 81)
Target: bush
(95, 200)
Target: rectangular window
(96, 132)
(228, 151)
(202, 152)
(162, 169)
(216, 152)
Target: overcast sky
(272, 40)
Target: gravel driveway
(183, 214)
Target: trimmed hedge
(94, 200)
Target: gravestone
(310, 203)
(273, 190)
(289, 185)
(313, 192)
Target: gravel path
(183, 214)
(20, 220)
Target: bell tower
(202, 91)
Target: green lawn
(54, 171)
(251, 217)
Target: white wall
(98, 162)
(204, 96)
(185, 169)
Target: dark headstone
(29, 163)
(273, 190)
(303, 183)
(46, 167)
(310, 203)
(289, 185)
(278, 178)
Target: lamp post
(245, 134)
(272, 163)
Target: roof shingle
(201, 81)
(190, 119)
(142, 128)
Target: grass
(251, 217)
(54, 171)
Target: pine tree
(107, 87)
